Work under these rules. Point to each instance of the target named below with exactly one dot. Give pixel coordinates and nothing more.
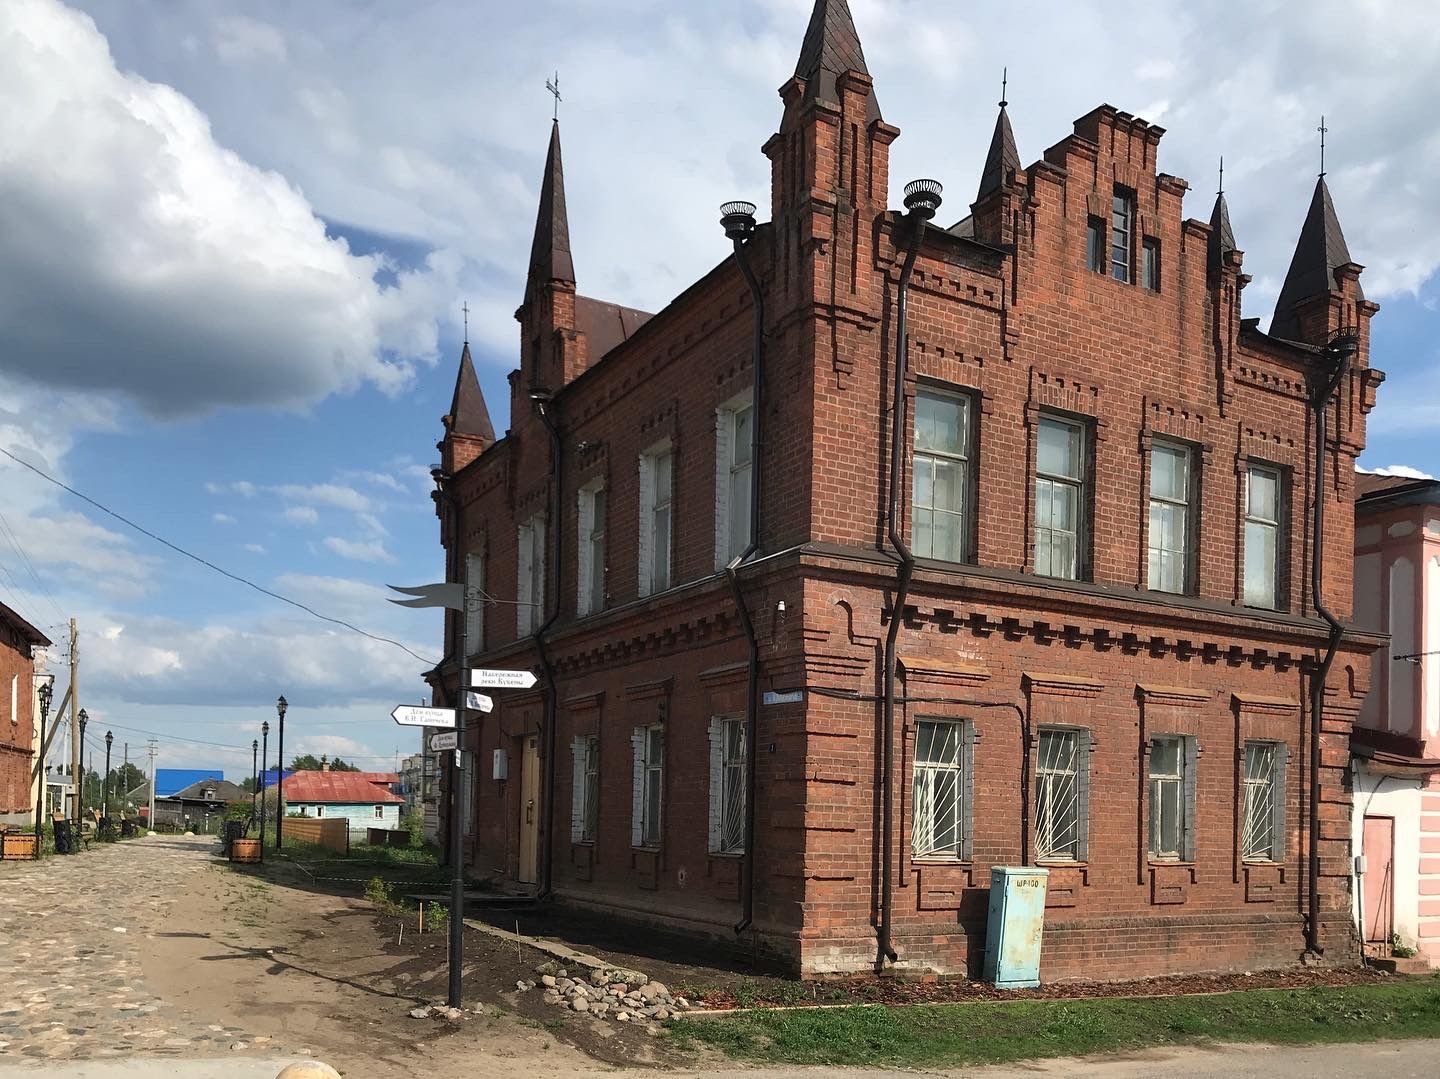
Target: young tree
(308, 762)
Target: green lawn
(985, 1033)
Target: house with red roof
(365, 799)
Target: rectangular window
(727, 785)
(1263, 501)
(530, 593)
(942, 476)
(590, 583)
(1060, 497)
(1172, 797)
(1262, 834)
(941, 789)
(648, 746)
(1171, 498)
(1061, 785)
(1122, 223)
(734, 453)
(14, 698)
(656, 521)
(319, 811)
(1150, 264)
(585, 788)
(1095, 245)
(475, 602)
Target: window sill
(726, 853)
(931, 859)
(1160, 860)
(1061, 863)
(581, 842)
(1260, 861)
(646, 848)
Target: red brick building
(18, 641)
(1092, 647)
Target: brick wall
(17, 733)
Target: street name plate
(411, 715)
(501, 679)
(448, 740)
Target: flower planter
(245, 850)
(18, 846)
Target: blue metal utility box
(1015, 926)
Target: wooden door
(529, 808)
(1379, 894)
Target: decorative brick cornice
(724, 675)
(582, 702)
(943, 672)
(1062, 685)
(1172, 694)
(641, 691)
(1258, 702)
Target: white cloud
(1403, 471)
(238, 39)
(254, 548)
(302, 515)
(222, 518)
(359, 550)
(123, 221)
(333, 495)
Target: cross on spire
(1004, 85)
(465, 311)
(1322, 129)
(553, 85)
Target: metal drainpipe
(739, 221)
(546, 407)
(922, 199)
(1341, 348)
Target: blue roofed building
(171, 781)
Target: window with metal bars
(940, 506)
(940, 788)
(1170, 531)
(727, 785)
(1060, 497)
(1061, 794)
(1263, 817)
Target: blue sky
(235, 239)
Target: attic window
(1150, 264)
(1095, 245)
(1122, 226)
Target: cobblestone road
(74, 930)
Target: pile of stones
(625, 996)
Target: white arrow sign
(484, 679)
(448, 740)
(410, 715)
(478, 702)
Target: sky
(235, 239)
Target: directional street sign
(448, 740)
(479, 702)
(410, 715)
(483, 679)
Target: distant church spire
(550, 252)
(831, 48)
(1222, 237)
(1003, 156)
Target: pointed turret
(1002, 159)
(550, 252)
(1222, 237)
(468, 430)
(831, 48)
(1320, 251)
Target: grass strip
(993, 1033)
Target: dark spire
(1320, 250)
(468, 414)
(831, 48)
(1222, 237)
(550, 253)
(1002, 156)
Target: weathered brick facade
(1004, 310)
(18, 640)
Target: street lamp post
(105, 787)
(80, 779)
(264, 756)
(40, 769)
(280, 707)
(254, 776)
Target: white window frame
(647, 828)
(379, 812)
(530, 576)
(727, 784)
(951, 778)
(584, 788)
(732, 474)
(656, 565)
(1046, 485)
(1159, 552)
(475, 601)
(929, 458)
(15, 698)
(1179, 785)
(590, 528)
(1251, 595)
(1262, 800)
(1062, 777)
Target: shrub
(414, 823)
(380, 893)
(437, 917)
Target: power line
(14, 539)
(211, 565)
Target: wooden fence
(331, 834)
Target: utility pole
(76, 778)
(125, 771)
(151, 747)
